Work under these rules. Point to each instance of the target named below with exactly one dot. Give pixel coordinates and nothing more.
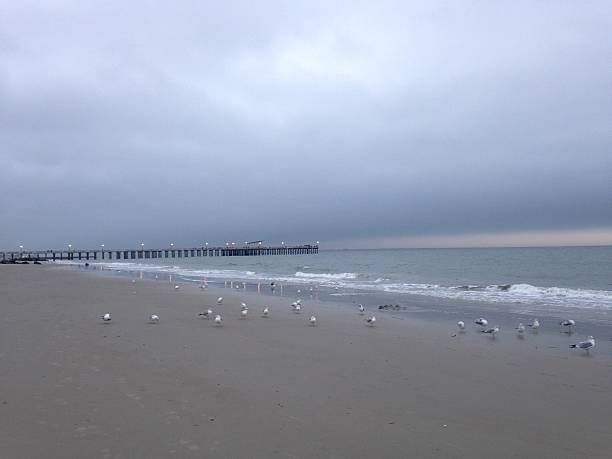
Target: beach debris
(243, 313)
(312, 321)
(391, 307)
(205, 314)
(535, 325)
(361, 310)
(585, 345)
(370, 321)
(154, 319)
(568, 323)
(461, 325)
(481, 321)
(220, 300)
(265, 312)
(520, 328)
(218, 320)
(491, 331)
(106, 317)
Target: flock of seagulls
(567, 326)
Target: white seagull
(218, 320)
(491, 331)
(482, 322)
(461, 325)
(361, 310)
(133, 281)
(313, 321)
(298, 301)
(297, 309)
(569, 323)
(106, 317)
(205, 314)
(265, 312)
(535, 325)
(585, 345)
(154, 319)
(176, 287)
(294, 305)
(520, 328)
(371, 321)
(220, 300)
(243, 313)
(243, 306)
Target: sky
(358, 124)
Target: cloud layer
(127, 122)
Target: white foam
(326, 276)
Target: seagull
(586, 345)
(294, 305)
(220, 300)
(482, 322)
(156, 276)
(218, 319)
(520, 328)
(299, 291)
(361, 310)
(154, 319)
(203, 286)
(205, 314)
(313, 321)
(535, 325)
(371, 321)
(265, 312)
(243, 313)
(298, 301)
(461, 325)
(569, 323)
(297, 309)
(133, 281)
(491, 331)
(106, 317)
(243, 307)
(176, 287)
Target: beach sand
(72, 386)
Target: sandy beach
(73, 386)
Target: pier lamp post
(102, 247)
(227, 244)
(69, 247)
(233, 243)
(283, 243)
(317, 242)
(206, 244)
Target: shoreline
(76, 387)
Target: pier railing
(147, 254)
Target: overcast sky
(353, 123)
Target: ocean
(542, 281)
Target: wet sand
(72, 386)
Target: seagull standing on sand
(106, 317)
(535, 325)
(520, 328)
(313, 321)
(243, 313)
(265, 312)
(371, 321)
(220, 300)
(585, 345)
(218, 320)
(461, 325)
(133, 281)
(243, 306)
(361, 310)
(176, 287)
(482, 322)
(491, 331)
(569, 323)
(297, 309)
(154, 319)
(205, 314)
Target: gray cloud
(191, 122)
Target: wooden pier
(147, 254)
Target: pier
(247, 250)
